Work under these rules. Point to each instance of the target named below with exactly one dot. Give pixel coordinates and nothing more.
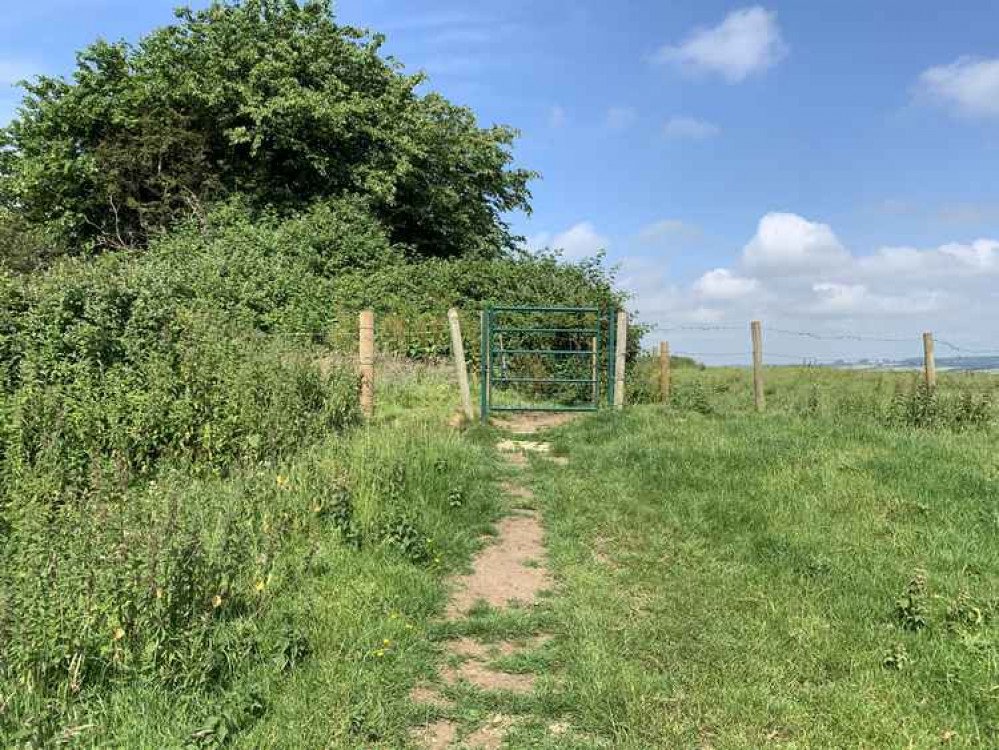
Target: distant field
(886, 396)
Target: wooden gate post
(458, 350)
(621, 341)
(929, 361)
(664, 372)
(759, 397)
(366, 358)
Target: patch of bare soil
(505, 571)
(527, 423)
(517, 492)
(427, 695)
(489, 736)
(436, 736)
(517, 459)
(481, 676)
(472, 649)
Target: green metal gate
(546, 359)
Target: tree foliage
(267, 99)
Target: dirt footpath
(511, 571)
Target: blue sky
(832, 167)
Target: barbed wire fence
(957, 350)
(775, 346)
(390, 342)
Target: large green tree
(268, 99)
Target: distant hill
(968, 364)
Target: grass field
(810, 577)
(823, 575)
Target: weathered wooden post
(664, 372)
(929, 361)
(759, 397)
(621, 341)
(458, 350)
(366, 359)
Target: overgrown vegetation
(188, 227)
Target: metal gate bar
(603, 359)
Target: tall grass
(181, 608)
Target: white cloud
(690, 128)
(722, 284)
(787, 244)
(976, 259)
(621, 118)
(748, 41)
(969, 85)
(556, 117)
(981, 256)
(847, 300)
(578, 241)
(796, 275)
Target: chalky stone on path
(527, 423)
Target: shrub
(144, 135)
(926, 408)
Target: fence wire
(908, 349)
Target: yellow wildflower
(118, 634)
(217, 601)
(259, 587)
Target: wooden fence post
(929, 361)
(458, 350)
(759, 397)
(622, 348)
(664, 372)
(366, 358)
